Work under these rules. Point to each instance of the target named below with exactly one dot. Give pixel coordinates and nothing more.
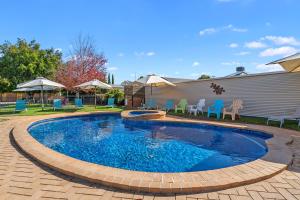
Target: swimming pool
(151, 146)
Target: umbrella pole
(42, 96)
(95, 98)
(151, 89)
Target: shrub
(117, 94)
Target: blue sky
(173, 38)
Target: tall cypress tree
(112, 79)
(108, 78)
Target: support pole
(95, 98)
(42, 96)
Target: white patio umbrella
(290, 63)
(37, 88)
(94, 84)
(40, 82)
(154, 80)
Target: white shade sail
(94, 84)
(154, 80)
(40, 81)
(290, 63)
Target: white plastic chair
(233, 109)
(197, 108)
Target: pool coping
(278, 157)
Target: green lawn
(250, 120)
(37, 110)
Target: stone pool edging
(274, 162)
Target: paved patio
(23, 178)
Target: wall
(263, 95)
(12, 96)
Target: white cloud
(140, 54)
(207, 31)
(151, 53)
(242, 53)
(255, 45)
(58, 49)
(268, 24)
(195, 64)
(231, 63)
(281, 51)
(112, 69)
(229, 27)
(235, 29)
(121, 54)
(233, 45)
(241, 30)
(280, 40)
(268, 68)
(176, 73)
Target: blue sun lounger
(20, 105)
(78, 103)
(57, 104)
(111, 102)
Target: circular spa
(143, 114)
(149, 146)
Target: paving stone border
(277, 159)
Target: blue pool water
(150, 146)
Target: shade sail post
(95, 98)
(42, 96)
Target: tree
(108, 78)
(124, 83)
(115, 93)
(204, 76)
(112, 79)
(84, 65)
(24, 61)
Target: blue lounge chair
(20, 105)
(78, 103)
(151, 104)
(57, 104)
(169, 105)
(216, 108)
(111, 102)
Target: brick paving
(23, 178)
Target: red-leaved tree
(84, 65)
